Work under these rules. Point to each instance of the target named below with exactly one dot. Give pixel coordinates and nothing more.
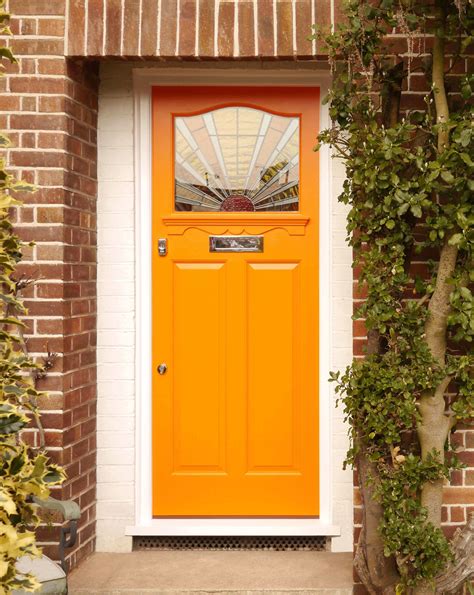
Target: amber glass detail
(236, 159)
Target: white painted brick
(340, 326)
(112, 189)
(341, 491)
(338, 168)
(115, 111)
(116, 371)
(111, 255)
(340, 209)
(105, 542)
(115, 322)
(115, 172)
(115, 510)
(123, 303)
(112, 440)
(115, 492)
(340, 437)
(116, 339)
(115, 272)
(117, 221)
(105, 288)
(107, 527)
(108, 237)
(115, 138)
(116, 156)
(109, 389)
(117, 105)
(117, 407)
(341, 273)
(115, 204)
(343, 516)
(109, 473)
(112, 423)
(342, 256)
(342, 289)
(115, 456)
(341, 358)
(337, 188)
(340, 337)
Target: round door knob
(162, 369)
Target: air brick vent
(305, 543)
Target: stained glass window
(236, 159)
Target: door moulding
(145, 524)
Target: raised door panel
(273, 363)
(199, 385)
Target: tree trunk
(462, 569)
(435, 425)
(378, 573)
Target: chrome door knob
(162, 369)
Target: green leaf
(465, 137)
(416, 211)
(455, 239)
(467, 160)
(447, 176)
(402, 209)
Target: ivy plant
(24, 472)
(409, 185)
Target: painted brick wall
(49, 107)
(116, 311)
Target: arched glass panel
(236, 159)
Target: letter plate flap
(235, 243)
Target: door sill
(249, 526)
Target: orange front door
(235, 301)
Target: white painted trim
(234, 527)
(144, 80)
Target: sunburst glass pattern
(236, 159)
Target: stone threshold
(219, 592)
(203, 572)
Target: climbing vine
(410, 189)
(24, 472)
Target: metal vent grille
(307, 543)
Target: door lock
(162, 369)
(162, 247)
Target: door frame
(143, 80)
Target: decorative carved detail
(293, 225)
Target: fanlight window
(236, 159)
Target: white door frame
(145, 524)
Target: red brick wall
(49, 106)
(50, 111)
(459, 496)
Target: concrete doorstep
(201, 572)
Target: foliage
(422, 549)
(23, 473)
(410, 194)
